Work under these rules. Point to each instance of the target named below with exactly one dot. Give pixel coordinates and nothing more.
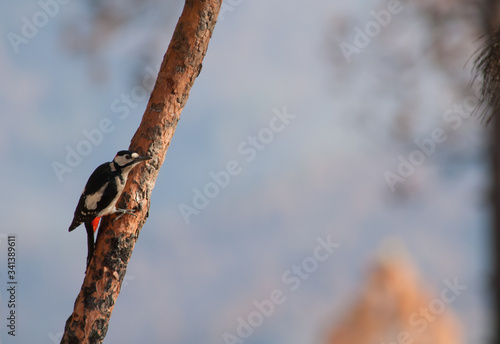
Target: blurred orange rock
(395, 308)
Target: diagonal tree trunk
(115, 241)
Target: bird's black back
(102, 175)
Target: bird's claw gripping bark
(123, 212)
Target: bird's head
(125, 159)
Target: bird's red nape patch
(95, 223)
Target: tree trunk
(115, 241)
(489, 69)
(495, 230)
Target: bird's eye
(127, 156)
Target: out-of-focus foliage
(416, 68)
(105, 24)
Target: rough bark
(181, 65)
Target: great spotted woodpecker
(102, 191)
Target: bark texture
(181, 65)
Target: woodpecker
(102, 192)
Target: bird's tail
(74, 224)
(90, 241)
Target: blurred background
(365, 218)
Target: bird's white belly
(111, 208)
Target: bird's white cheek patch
(92, 200)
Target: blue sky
(321, 176)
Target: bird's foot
(123, 212)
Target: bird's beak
(142, 158)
